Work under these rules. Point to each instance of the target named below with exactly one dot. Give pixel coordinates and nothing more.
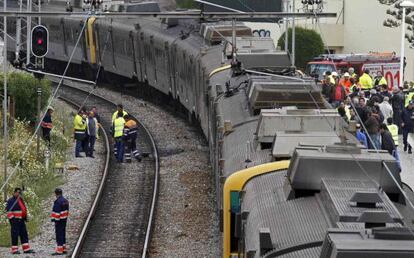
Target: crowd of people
(381, 114)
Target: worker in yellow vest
(119, 109)
(118, 130)
(366, 81)
(408, 98)
(393, 130)
(79, 126)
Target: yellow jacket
(366, 82)
(115, 115)
(79, 124)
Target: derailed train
(291, 181)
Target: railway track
(120, 220)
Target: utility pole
(18, 34)
(28, 32)
(39, 99)
(5, 133)
(293, 34)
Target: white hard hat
(346, 75)
(50, 108)
(335, 74)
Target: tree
(395, 13)
(23, 88)
(308, 45)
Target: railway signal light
(40, 41)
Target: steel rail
(178, 15)
(100, 188)
(81, 239)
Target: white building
(358, 28)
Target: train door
(64, 36)
(134, 54)
(173, 71)
(140, 56)
(82, 42)
(90, 41)
(235, 221)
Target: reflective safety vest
(119, 124)
(366, 82)
(60, 209)
(16, 208)
(408, 98)
(394, 132)
(79, 124)
(115, 115)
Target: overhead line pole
(293, 35)
(28, 31)
(5, 132)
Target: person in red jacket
(17, 215)
(338, 95)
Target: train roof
(279, 223)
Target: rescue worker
(59, 216)
(351, 72)
(407, 125)
(334, 78)
(118, 131)
(379, 79)
(17, 215)
(409, 96)
(47, 125)
(393, 130)
(130, 137)
(119, 109)
(388, 144)
(366, 81)
(79, 126)
(345, 82)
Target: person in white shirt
(386, 108)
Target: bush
(23, 88)
(308, 45)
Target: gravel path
(79, 188)
(186, 224)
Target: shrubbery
(23, 88)
(308, 45)
(39, 183)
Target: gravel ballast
(79, 188)
(186, 222)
